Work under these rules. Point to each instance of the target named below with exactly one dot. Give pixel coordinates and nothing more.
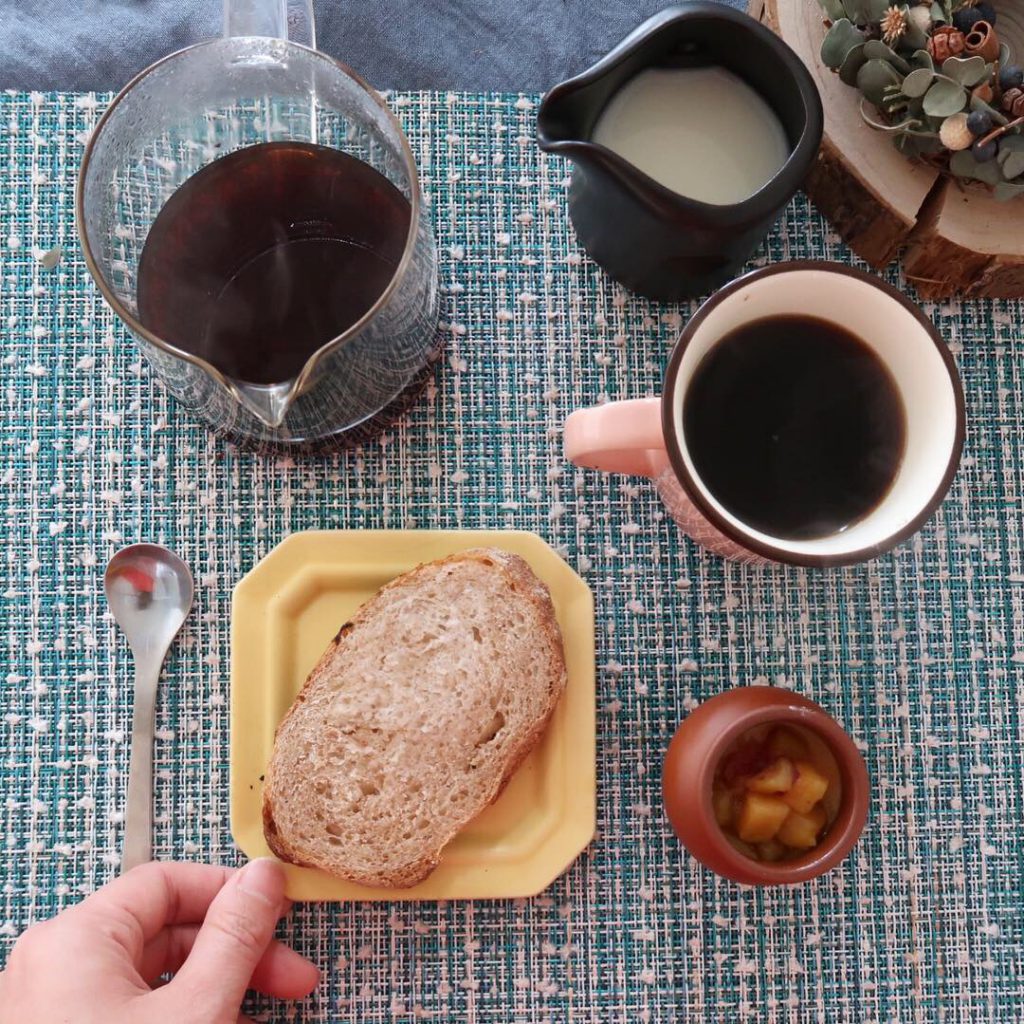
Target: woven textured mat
(920, 654)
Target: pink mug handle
(620, 437)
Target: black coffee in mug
(795, 426)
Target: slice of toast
(414, 719)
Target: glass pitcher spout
(269, 403)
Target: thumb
(236, 933)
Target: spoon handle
(138, 822)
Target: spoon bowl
(149, 590)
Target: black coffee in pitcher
(267, 254)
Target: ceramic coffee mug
(645, 437)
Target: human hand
(211, 927)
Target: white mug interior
(905, 346)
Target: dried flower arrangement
(935, 76)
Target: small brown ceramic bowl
(692, 761)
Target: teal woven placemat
(919, 654)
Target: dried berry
(1011, 76)
(965, 18)
(979, 122)
(987, 11)
(946, 42)
(984, 151)
(954, 133)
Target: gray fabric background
(398, 44)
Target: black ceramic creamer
(653, 240)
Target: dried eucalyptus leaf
(833, 9)
(872, 80)
(916, 84)
(1010, 144)
(877, 8)
(1013, 165)
(939, 15)
(1005, 190)
(874, 77)
(922, 59)
(913, 39)
(840, 39)
(875, 49)
(943, 98)
(967, 71)
(854, 62)
(857, 11)
(963, 165)
(1005, 54)
(989, 172)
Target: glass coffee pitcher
(346, 251)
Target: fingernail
(263, 879)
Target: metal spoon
(150, 592)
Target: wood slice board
(954, 240)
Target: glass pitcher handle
(278, 19)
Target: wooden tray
(954, 240)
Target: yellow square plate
(285, 613)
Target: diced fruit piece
(801, 830)
(771, 851)
(776, 778)
(786, 743)
(761, 817)
(724, 802)
(808, 788)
